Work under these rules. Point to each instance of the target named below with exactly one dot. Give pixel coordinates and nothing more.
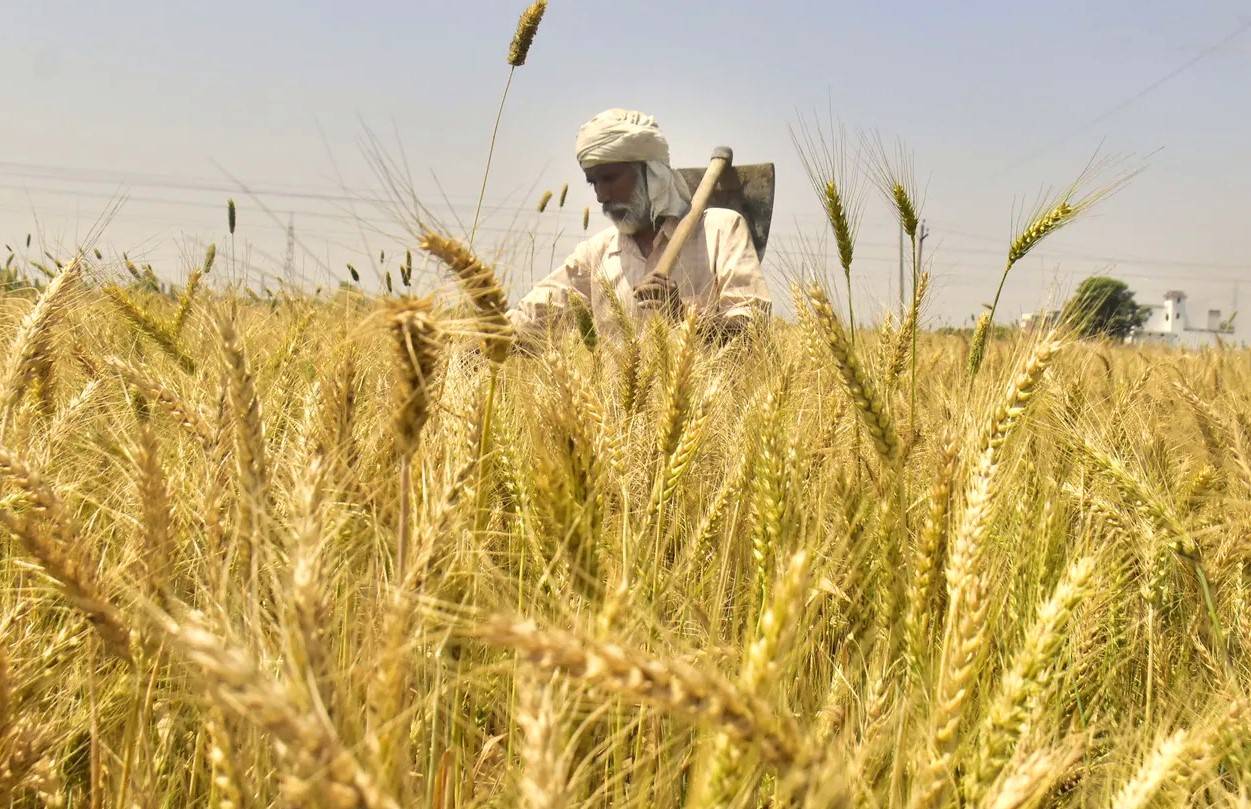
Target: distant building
(1170, 323)
(1041, 320)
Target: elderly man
(626, 159)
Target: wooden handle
(722, 156)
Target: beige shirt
(718, 274)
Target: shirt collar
(667, 226)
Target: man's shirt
(718, 274)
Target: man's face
(620, 190)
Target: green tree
(1104, 307)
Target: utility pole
(922, 232)
(901, 273)
(1233, 314)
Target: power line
(341, 217)
(777, 237)
(1121, 105)
(173, 182)
(59, 174)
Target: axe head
(746, 189)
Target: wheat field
(356, 552)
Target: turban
(621, 136)
(628, 136)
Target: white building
(1171, 323)
(1041, 320)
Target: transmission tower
(288, 263)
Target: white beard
(632, 216)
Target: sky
(130, 124)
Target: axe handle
(721, 157)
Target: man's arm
(549, 299)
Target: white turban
(628, 136)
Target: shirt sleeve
(549, 299)
(741, 289)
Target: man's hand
(659, 293)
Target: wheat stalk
(1048, 219)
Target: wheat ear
(47, 539)
(162, 334)
(416, 341)
(523, 38)
(929, 556)
(965, 630)
(1181, 541)
(1159, 766)
(977, 346)
(186, 414)
(672, 684)
(481, 286)
(678, 395)
(415, 336)
(155, 510)
(774, 632)
(185, 301)
(773, 459)
(1052, 217)
(904, 343)
(31, 341)
(1215, 739)
(224, 769)
(245, 408)
(1015, 703)
(869, 404)
(1027, 783)
(545, 774)
(308, 600)
(323, 765)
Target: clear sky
(178, 105)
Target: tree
(1104, 307)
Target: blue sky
(167, 102)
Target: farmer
(626, 159)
